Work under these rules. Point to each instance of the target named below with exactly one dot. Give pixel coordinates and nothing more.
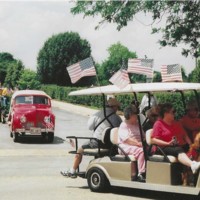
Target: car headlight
(47, 119)
(22, 119)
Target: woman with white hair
(130, 140)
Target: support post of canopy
(140, 127)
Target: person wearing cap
(191, 121)
(100, 122)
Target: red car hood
(34, 114)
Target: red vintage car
(31, 114)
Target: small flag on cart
(141, 66)
(171, 73)
(120, 78)
(81, 69)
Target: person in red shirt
(191, 120)
(164, 134)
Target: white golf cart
(107, 168)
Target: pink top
(128, 131)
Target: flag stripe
(171, 73)
(120, 78)
(81, 69)
(141, 66)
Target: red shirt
(191, 125)
(166, 132)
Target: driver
(98, 123)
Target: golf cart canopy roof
(138, 87)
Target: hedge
(61, 93)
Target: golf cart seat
(162, 157)
(96, 152)
(101, 151)
(167, 168)
(114, 141)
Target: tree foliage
(194, 76)
(117, 55)
(5, 60)
(28, 79)
(13, 73)
(182, 18)
(59, 52)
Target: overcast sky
(26, 25)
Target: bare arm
(132, 141)
(161, 142)
(187, 139)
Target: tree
(182, 18)
(5, 60)
(184, 76)
(13, 73)
(117, 55)
(194, 76)
(59, 52)
(28, 79)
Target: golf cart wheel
(97, 181)
(15, 137)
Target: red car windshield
(31, 100)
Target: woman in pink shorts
(130, 139)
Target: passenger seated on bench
(191, 120)
(130, 139)
(152, 115)
(164, 133)
(98, 123)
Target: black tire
(50, 137)
(97, 181)
(15, 137)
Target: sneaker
(195, 166)
(68, 174)
(141, 178)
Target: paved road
(29, 170)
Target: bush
(61, 93)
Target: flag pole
(103, 95)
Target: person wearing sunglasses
(191, 121)
(164, 135)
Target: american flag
(141, 66)
(171, 73)
(81, 69)
(120, 78)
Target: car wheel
(97, 181)
(50, 137)
(15, 137)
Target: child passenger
(130, 139)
